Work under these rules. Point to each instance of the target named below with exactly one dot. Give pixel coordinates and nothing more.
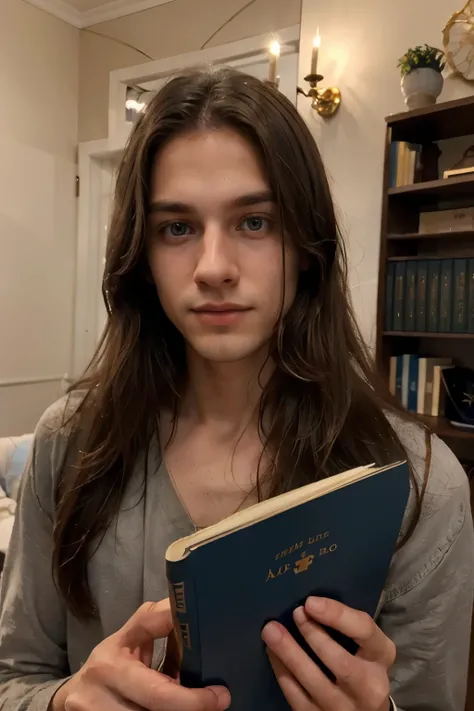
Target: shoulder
(444, 510)
(53, 437)
(446, 479)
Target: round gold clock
(458, 40)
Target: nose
(217, 264)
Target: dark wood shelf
(427, 334)
(449, 119)
(458, 186)
(424, 257)
(443, 428)
(465, 234)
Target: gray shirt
(425, 607)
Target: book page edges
(181, 548)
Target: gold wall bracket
(325, 101)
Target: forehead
(215, 163)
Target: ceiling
(84, 13)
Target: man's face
(215, 246)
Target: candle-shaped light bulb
(314, 56)
(272, 67)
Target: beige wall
(361, 42)
(175, 28)
(38, 142)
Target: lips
(220, 308)
(220, 314)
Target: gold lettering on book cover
(298, 546)
(179, 597)
(302, 565)
(185, 635)
(306, 560)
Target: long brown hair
(323, 407)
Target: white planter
(421, 87)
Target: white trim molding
(102, 13)
(33, 380)
(236, 54)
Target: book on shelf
(421, 296)
(432, 319)
(398, 296)
(416, 382)
(228, 580)
(404, 163)
(460, 315)
(410, 296)
(460, 219)
(432, 295)
(445, 295)
(389, 289)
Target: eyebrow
(242, 201)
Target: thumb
(151, 621)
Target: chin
(226, 350)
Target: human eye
(175, 230)
(255, 224)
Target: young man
(231, 369)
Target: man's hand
(361, 681)
(117, 675)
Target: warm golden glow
(275, 49)
(317, 40)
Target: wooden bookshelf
(401, 241)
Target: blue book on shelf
(413, 383)
(334, 538)
(393, 164)
(398, 380)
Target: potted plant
(422, 80)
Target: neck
(225, 395)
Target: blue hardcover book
(393, 164)
(460, 310)
(334, 538)
(389, 285)
(413, 372)
(399, 379)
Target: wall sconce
(274, 53)
(325, 101)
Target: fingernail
(299, 615)
(271, 633)
(223, 697)
(317, 605)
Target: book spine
(432, 321)
(398, 297)
(470, 299)
(405, 379)
(392, 378)
(399, 379)
(437, 409)
(420, 400)
(460, 296)
(393, 164)
(428, 403)
(400, 162)
(421, 291)
(445, 295)
(186, 621)
(412, 384)
(389, 295)
(410, 293)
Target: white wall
(39, 76)
(361, 43)
(165, 31)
